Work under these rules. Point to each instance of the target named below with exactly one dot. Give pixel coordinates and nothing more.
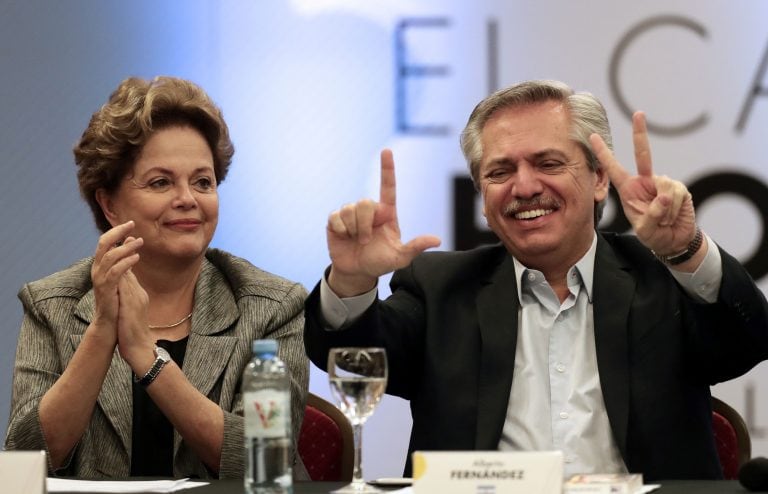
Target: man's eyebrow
(550, 153)
(502, 160)
(539, 155)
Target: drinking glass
(358, 377)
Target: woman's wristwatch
(162, 358)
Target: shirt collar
(584, 266)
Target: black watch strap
(163, 357)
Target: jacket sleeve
(397, 324)
(734, 330)
(285, 324)
(36, 369)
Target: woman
(90, 385)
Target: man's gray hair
(587, 117)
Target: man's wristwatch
(689, 252)
(163, 357)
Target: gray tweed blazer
(235, 303)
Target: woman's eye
(159, 184)
(204, 184)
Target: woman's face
(171, 196)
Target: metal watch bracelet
(690, 251)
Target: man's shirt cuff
(703, 284)
(338, 312)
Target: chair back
(734, 446)
(326, 441)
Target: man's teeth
(534, 213)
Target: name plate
(23, 472)
(487, 472)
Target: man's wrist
(693, 247)
(337, 312)
(345, 286)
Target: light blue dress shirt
(556, 401)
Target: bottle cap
(264, 346)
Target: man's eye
(550, 165)
(496, 176)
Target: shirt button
(563, 415)
(531, 277)
(560, 368)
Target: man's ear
(482, 199)
(602, 184)
(107, 206)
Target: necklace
(174, 324)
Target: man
(561, 338)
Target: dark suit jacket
(450, 330)
(235, 303)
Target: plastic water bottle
(267, 417)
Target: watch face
(162, 354)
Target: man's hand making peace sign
(659, 208)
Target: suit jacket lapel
(208, 352)
(215, 311)
(497, 307)
(613, 291)
(206, 359)
(115, 397)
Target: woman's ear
(107, 206)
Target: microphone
(753, 475)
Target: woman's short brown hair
(137, 109)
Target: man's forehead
(519, 140)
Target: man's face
(538, 191)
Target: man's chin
(532, 247)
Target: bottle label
(267, 413)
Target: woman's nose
(184, 196)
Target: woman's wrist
(101, 334)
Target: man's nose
(527, 182)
